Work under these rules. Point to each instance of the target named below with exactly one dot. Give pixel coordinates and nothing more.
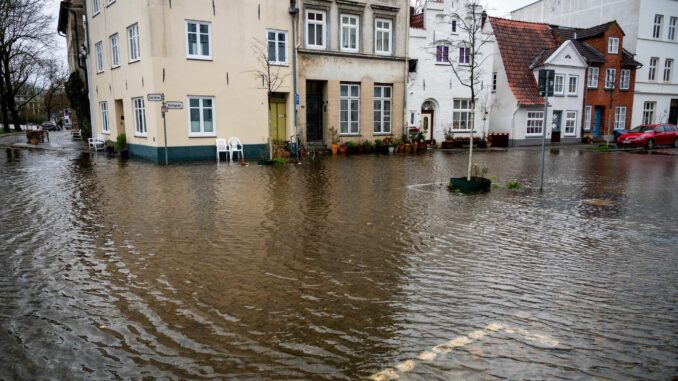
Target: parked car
(650, 135)
(50, 126)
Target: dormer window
(613, 45)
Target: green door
(277, 120)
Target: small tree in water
(469, 22)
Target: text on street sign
(175, 105)
(154, 97)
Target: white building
(522, 49)
(651, 33)
(436, 100)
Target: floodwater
(339, 269)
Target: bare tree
(271, 75)
(25, 42)
(467, 65)
(418, 5)
(55, 78)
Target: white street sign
(174, 105)
(154, 97)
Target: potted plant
(449, 139)
(109, 147)
(360, 147)
(367, 146)
(121, 146)
(422, 142)
(343, 149)
(393, 146)
(377, 145)
(334, 137)
(476, 183)
(351, 147)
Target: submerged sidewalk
(58, 141)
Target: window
(99, 47)
(382, 40)
(462, 115)
(277, 47)
(350, 109)
(587, 118)
(454, 26)
(672, 28)
(593, 74)
(494, 81)
(570, 123)
(350, 28)
(139, 116)
(198, 40)
(109, 2)
(95, 7)
(382, 109)
(133, 38)
(610, 78)
(464, 55)
(115, 50)
(559, 85)
(315, 29)
(625, 80)
(535, 123)
(613, 45)
(442, 54)
(668, 64)
(620, 118)
(573, 84)
(657, 29)
(201, 116)
(103, 106)
(648, 112)
(652, 70)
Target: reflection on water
(338, 269)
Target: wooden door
(277, 120)
(314, 117)
(427, 124)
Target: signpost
(166, 106)
(546, 84)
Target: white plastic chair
(96, 143)
(221, 147)
(234, 145)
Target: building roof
(628, 60)
(569, 33)
(591, 54)
(521, 44)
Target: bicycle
(296, 148)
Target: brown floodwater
(339, 269)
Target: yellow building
(210, 55)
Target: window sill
(193, 136)
(313, 47)
(115, 67)
(351, 135)
(592, 87)
(105, 132)
(282, 64)
(99, 71)
(533, 136)
(573, 95)
(133, 61)
(109, 3)
(386, 54)
(349, 50)
(95, 14)
(137, 135)
(382, 134)
(443, 63)
(199, 58)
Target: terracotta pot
(401, 148)
(423, 147)
(415, 147)
(342, 149)
(34, 140)
(408, 148)
(335, 149)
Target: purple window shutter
(446, 53)
(439, 53)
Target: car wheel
(650, 144)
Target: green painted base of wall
(253, 152)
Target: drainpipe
(407, 71)
(513, 124)
(294, 11)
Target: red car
(650, 135)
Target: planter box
(447, 144)
(498, 140)
(477, 184)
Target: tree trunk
(3, 105)
(9, 93)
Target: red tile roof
(520, 43)
(417, 21)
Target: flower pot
(415, 147)
(335, 149)
(477, 184)
(109, 150)
(391, 149)
(342, 149)
(408, 148)
(34, 140)
(124, 154)
(423, 147)
(401, 148)
(447, 144)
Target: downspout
(294, 11)
(407, 71)
(513, 123)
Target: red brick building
(610, 77)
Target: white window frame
(99, 53)
(652, 69)
(105, 127)
(613, 45)
(668, 69)
(610, 84)
(322, 24)
(466, 57)
(139, 113)
(199, 55)
(109, 2)
(648, 112)
(535, 121)
(562, 84)
(134, 47)
(383, 31)
(114, 42)
(349, 28)
(276, 43)
(625, 79)
(657, 26)
(494, 82)
(461, 107)
(620, 118)
(588, 110)
(96, 7)
(593, 75)
(385, 123)
(201, 107)
(349, 98)
(672, 28)
(569, 85)
(570, 123)
(442, 60)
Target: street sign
(174, 105)
(296, 99)
(546, 82)
(154, 97)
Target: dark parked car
(49, 126)
(650, 135)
